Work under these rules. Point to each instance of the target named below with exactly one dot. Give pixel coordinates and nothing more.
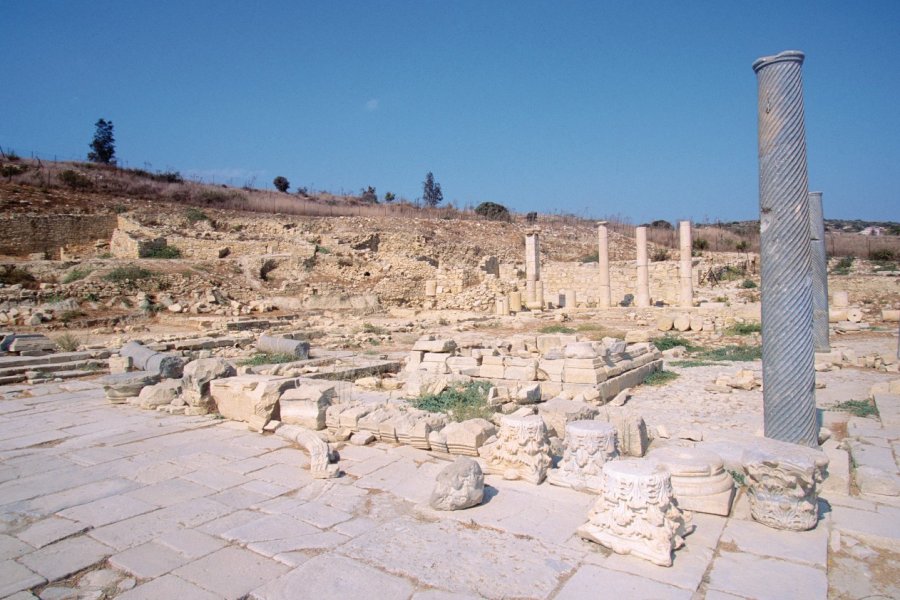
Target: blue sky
(642, 110)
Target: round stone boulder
(459, 485)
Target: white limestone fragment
(588, 446)
(459, 485)
(635, 513)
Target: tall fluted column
(685, 266)
(642, 298)
(819, 261)
(789, 402)
(534, 292)
(605, 298)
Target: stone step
(70, 374)
(31, 361)
(54, 366)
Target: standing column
(603, 258)
(642, 298)
(685, 266)
(819, 260)
(789, 401)
(534, 291)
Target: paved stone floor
(102, 501)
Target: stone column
(605, 298)
(789, 401)
(819, 260)
(642, 297)
(685, 266)
(534, 293)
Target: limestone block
(160, 394)
(632, 433)
(637, 335)
(415, 358)
(306, 404)
(635, 513)
(782, 481)
(697, 323)
(588, 446)
(428, 344)
(32, 344)
(521, 370)
(120, 386)
(699, 480)
(436, 357)
(890, 316)
(837, 315)
(458, 486)
(854, 315)
(491, 371)
(590, 376)
(665, 323)
(437, 441)
(120, 364)
(197, 376)
(584, 350)
(840, 299)
(458, 364)
(351, 415)
(279, 345)
(468, 437)
(557, 412)
(521, 451)
(249, 398)
(550, 370)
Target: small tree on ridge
(281, 183)
(431, 191)
(103, 146)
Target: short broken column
(588, 446)
(278, 345)
(819, 262)
(605, 292)
(642, 297)
(515, 301)
(685, 266)
(635, 513)
(789, 402)
(699, 480)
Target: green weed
(556, 329)
(267, 358)
(460, 401)
(661, 378)
(858, 408)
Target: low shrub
(459, 401)
(883, 255)
(75, 180)
(195, 215)
(556, 329)
(660, 378)
(76, 275)
(129, 273)
(859, 408)
(12, 275)
(267, 358)
(493, 211)
(164, 252)
(659, 255)
(843, 266)
(669, 341)
(744, 329)
(732, 352)
(748, 284)
(68, 342)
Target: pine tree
(281, 183)
(103, 146)
(431, 191)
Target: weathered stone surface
(459, 485)
(557, 412)
(635, 513)
(166, 365)
(321, 460)
(468, 437)
(279, 345)
(306, 404)
(632, 433)
(249, 398)
(782, 481)
(126, 385)
(588, 445)
(160, 394)
(334, 577)
(197, 376)
(699, 480)
(522, 450)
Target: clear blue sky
(644, 110)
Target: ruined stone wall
(584, 278)
(27, 234)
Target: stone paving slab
(592, 581)
(752, 576)
(486, 562)
(168, 586)
(15, 577)
(231, 572)
(335, 577)
(68, 556)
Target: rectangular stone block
(306, 404)
(571, 375)
(491, 371)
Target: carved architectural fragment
(782, 481)
(699, 480)
(635, 513)
(588, 445)
(521, 451)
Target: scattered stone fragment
(459, 485)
